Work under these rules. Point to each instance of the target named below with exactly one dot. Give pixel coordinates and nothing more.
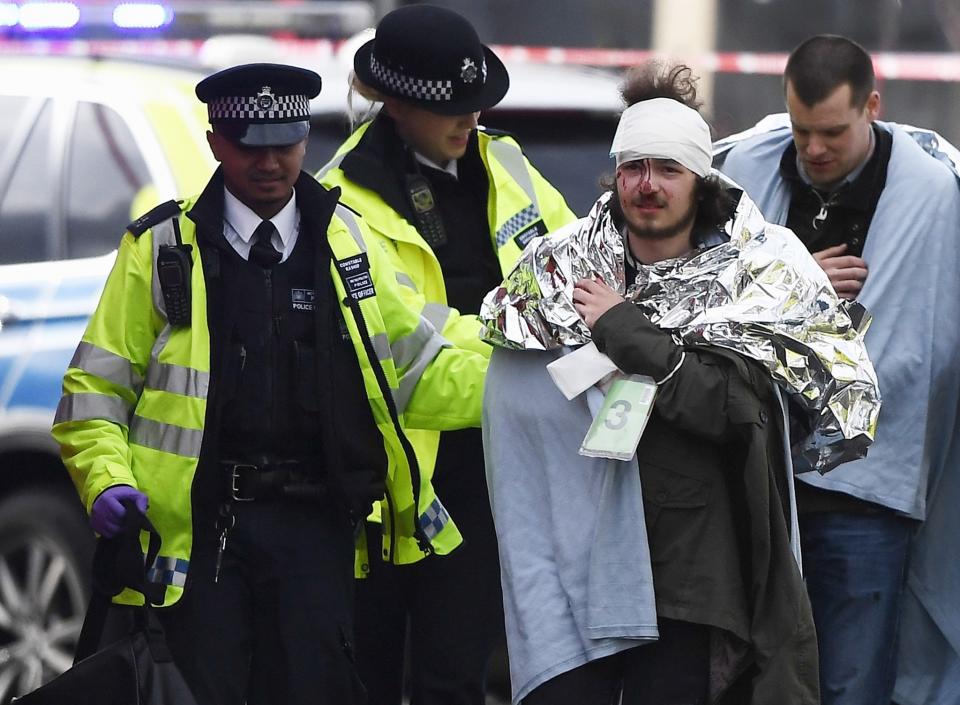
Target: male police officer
(881, 217)
(247, 372)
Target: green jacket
(134, 405)
(713, 476)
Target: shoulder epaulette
(163, 212)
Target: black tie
(262, 252)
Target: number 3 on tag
(616, 431)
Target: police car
(86, 144)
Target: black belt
(246, 482)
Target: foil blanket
(760, 294)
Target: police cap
(432, 57)
(260, 105)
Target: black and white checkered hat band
(283, 108)
(419, 88)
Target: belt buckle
(235, 482)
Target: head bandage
(662, 128)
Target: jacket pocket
(747, 414)
(675, 506)
(671, 489)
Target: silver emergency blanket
(760, 294)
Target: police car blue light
(9, 14)
(141, 16)
(48, 15)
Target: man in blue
(883, 220)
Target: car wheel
(45, 553)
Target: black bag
(138, 669)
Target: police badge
(468, 72)
(266, 99)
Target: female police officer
(247, 371)
(453, 206)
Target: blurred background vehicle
(85, 142)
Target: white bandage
(662, 128)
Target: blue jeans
(855, 568)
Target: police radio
(174, 265)
(426, 211)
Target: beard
(649, 232)
(666, 231)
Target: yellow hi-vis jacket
(520, 204)
(135, 395)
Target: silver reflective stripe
(347, 216)
(106, 365)
(166, 437)
(178, 380)
(163, 234)
(404, 279)
(331, 165)
(437, 314)
(159, 344)
(88, 406)
(381, 344)
(407, 349)
(414, 372)
(512, 159)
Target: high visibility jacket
(135, 395)
(520, 204)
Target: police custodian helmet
(432, 57)
(260, 105)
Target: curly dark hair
(655, 79)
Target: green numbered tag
(619, 424)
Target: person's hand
(106, 515)
(592, 298)
(847, 273)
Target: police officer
(245, 375)
(453, 206)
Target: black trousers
(276, 627)
(672, 671)
(447, 610)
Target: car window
(105, 172)
(326, 135)
(25, 209)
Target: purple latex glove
(106, 516)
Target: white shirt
(450, 168)
(239, 222)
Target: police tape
(888, 65)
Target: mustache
(647, 201)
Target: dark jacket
(713, 478)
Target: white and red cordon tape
(888, 65)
